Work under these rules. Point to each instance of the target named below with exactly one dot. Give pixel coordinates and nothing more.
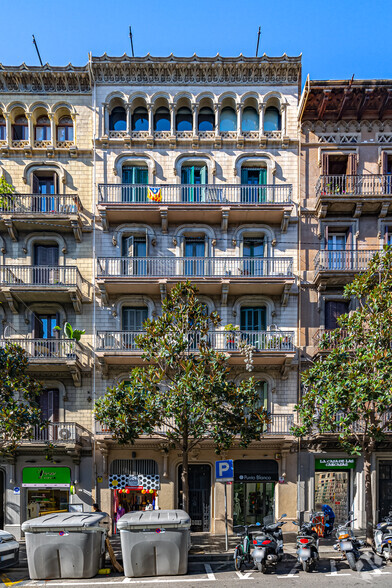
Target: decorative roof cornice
(22, 79)
(197, 70)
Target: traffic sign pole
(226, 525)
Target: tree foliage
(349, 391)
(19, 399)
(183, 392)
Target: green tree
(349, 391)
(19, 399)
(183, 393)
(6, 194)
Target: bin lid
(65, 520)
(146, 519)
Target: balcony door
(134, 175)
(193, 176)
(333, 310)
(50, 408)
(44, 325)
(253, 319)
(46, 261)
(43, 187)
(132, 319)
(254, 251)
(337, 256)
(195, 249)
(134, 248)
(252, 178)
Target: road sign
(16, 490)
(224, 470)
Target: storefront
(254, 490)
(47, 490)
(384, 488)
(332, 484)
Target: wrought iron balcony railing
(320, 333)
(59, 433)
(192, 267)
(46, 350)
(40, 275)
(347, 260)
(354, 185)
(132, 194)
(281, 341)
(60, 204)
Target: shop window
(118, 119)
(250, 119)
(272, 119)
(20, 129)
(253, 491)
(3, 129)
(332, 488)
(184, 119)
(333, 310)
(140, 119)
(228, 119)
(65, 130)
(206, 119)
(42, 129)
(162, 119)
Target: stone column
(52, 129)
(217, 110)
(283, 113)
(73, 116)
(194, 113)
(8, 129)
(261, 119)
(150, 120)
(172, 119)
(129, 119)
(31, 128)
(105, 119)
(239, 120)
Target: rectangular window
(195, 248)
(253, 318)
(49, 404)
(253, 251)
(133, 318)
(42, 133)
(44, 325)
(20, 132)
(65, 133)
(46, 255)
(338, 257)
(334, 309)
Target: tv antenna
(130, 37)
(258, 41)
(36, 47)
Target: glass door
(134, 175)
(254, 254)
(191, 177)
(253, 501)
(44, 186)
(251, 177)
(132, 320)
(194, 249)
(46, 258)
(253, 319)
(384, 488)
(337, 251)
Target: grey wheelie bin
(65, 545)
(155, 542)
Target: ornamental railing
(193, 267)
(59, 433)
(347, 260)
(40, 203)
(354, 185)
(229, 341)
(132, 194)
(40, 275)
(46, 350)
(327, 333)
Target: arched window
(65, 131)
(3, 129)
(184, 119)
(250, 119)
(118, 119)
(272, 119)
(228, 119)
(140, 119)
(206, 119)
(42, 129)
(20, 129)
(162, 119)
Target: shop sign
(46, 478)
(340, 463)
(255, 470)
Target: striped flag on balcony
(154, 194)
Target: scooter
(307, 546)
(348, 544)
(383, 538)
(268, 546)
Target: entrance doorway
(199, 495)
(332, 488)
(384, 488)
(253, 501)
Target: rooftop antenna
(130, 36)
(258, 41)
(36, 47)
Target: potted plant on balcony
(231, 334)
(71, 333)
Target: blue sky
(338, 38)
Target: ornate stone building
(132, 174)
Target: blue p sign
(224, 470)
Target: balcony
(212, 275)
(270, 347)
(279, 425)
(339, 267)
(65, 357)
(211, 203)
(318, 336)
(24, 211)
(26, 284)
(60, 434)
(354, 194)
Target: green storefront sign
(46, 478)
(339, 463)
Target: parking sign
(224, 470)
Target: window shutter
(244, 175)
(37, 331)
(146, 243)
(44, 405)
(325, 164)
(203, 174)
(35, 185)
(54, 405)
(384, 162)
(128, 246)
(326, 237)
(349, 240)
(141, 175)
(262, 176)
(352, 164)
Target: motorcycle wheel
(261, 566)
(352, 562)
(306, 566)
(238, 560)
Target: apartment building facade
(346, 208)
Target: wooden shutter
(35, 184)
(203, 174)
(244, 176)
(334, 309)
(326, 237)
(37, 331)
(50, 405)
(325, 164)
(141, 175)
(352, 164)
(384, 162)
(262, 176)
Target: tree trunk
(185, 480)
(368, 496)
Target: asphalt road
(222, 575)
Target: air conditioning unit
(64, 434)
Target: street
(222, 575)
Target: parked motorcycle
(268, 545)
(347, 543)
(307, 545)
(383, 538)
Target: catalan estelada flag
(154, 194)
